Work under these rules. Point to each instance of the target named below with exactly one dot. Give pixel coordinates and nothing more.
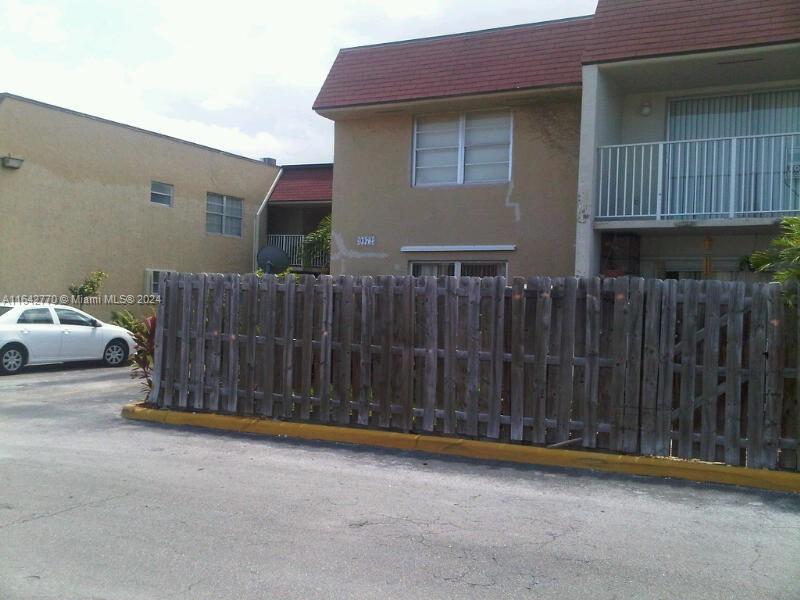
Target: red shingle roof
(510, 58)
(304, 183)
(637, 28)
(550, 54)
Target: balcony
(292, 244)
(753, 177)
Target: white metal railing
(754, 176)
(292, 245)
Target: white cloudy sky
(240, 75)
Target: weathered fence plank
(407, 313)
(325, 351)
(154, 397)
(708, 411)
(498, 354)
(566, 390)
(594, 325)
(544, 287)
(267, 319)
(690, 289)
(666, 357)
(185, 325)
(650, 367)
(431, 354)
(473, 348)
(619, 342)
(633, 368)
(232, 381)
(385, 330)
(346, 325)
(199, 357)
(247, 406)
(733, 374)
(365, 351)
(517, 357)
(307, 356)
(773, 392)
(756, 383)
(171, 360)
(213, 366)
(450, 361)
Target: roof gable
(505, 59)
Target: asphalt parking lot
(95, 506)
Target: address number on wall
(365, 240)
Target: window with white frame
(458, 268)
(152, 277)
(467, 148)
(161, 193)
(224, 215)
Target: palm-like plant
(317, 242)
(782, 259)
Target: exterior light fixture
(12, 162)
(646, 108)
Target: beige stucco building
(93, 194)
(645, 139)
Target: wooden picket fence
(673, 368)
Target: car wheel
(12, 359)
(115, 354)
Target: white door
(80, 339)
(40, 334)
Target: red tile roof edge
(303, 183)
(687, 52)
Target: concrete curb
(635, 465)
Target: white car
(35, 334)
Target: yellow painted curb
(576, 459)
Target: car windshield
(4, 310)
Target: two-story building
(79, 193)
(655, 137)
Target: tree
(782, 259)
(317, 242)
(89, 287)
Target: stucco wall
(637, 128)
(726, 250)
(81, 202)
(536, 211)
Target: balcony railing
(738, 177)
(292, 244)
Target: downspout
(261, 208)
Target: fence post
(158, 351)
(517, 357)
(773, 392)
(365, 354)
(733, 374)
(431, 341)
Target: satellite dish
(272, 259)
